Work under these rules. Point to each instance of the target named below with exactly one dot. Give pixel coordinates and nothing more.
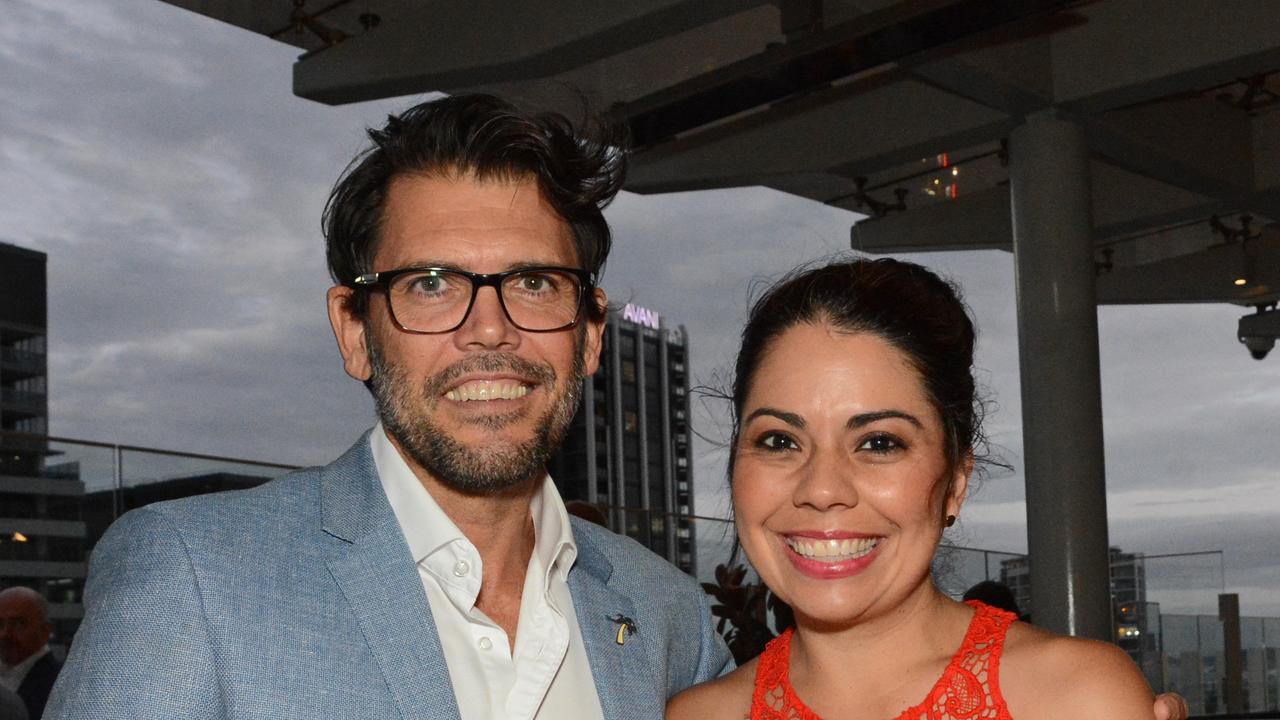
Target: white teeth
(833, 550)
(488, 390)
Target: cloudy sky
(161, 161)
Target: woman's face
(840, 480)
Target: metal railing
(58, 495)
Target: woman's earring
(951, 520)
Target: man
(431, 571)
(26, 667)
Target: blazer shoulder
(628, 558)
(269, 503)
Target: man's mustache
(538, 373)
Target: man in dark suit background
(26, 667)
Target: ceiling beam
(857, 129)
(1132, 51)
(453, 46)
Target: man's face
(480, 408)
(23, 627)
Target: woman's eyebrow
(789, 418)
(862, 419)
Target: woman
(856, 425)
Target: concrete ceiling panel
(1015, 76)
(1125, 202)
(1195, 142)
(981, 221)
(849, 130)
(259, 17)
(1208, 275)
(1266, 150)
(628, 74)
(326, 22)
(448, 46)
(1131, 51)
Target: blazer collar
(625, 675)
(376, 573)
(352, 503)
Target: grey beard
(406, 416)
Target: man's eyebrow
(521, 265)
(863, 419)
(526, 264)
(789, 418)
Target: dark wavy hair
(905, 304)
(579, 171)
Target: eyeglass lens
(438, 300)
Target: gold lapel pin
(626, 626)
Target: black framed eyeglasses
(432, 300)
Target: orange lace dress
(968, 689)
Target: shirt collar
(427, 528)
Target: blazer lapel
(373, 567)
(623, 673)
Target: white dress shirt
(548, 675)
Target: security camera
(1258, 346)
(1258, 332)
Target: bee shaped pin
(626, 627)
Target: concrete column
(1233, 657)
(1061, 388)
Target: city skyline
(160, 160)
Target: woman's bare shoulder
(727, 697)
(1046, 676)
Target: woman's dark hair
(905, 304)
(578, 172)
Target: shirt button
(485, 643)
(461, 568)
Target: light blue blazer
(300, 599)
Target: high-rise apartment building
(1128, 580)
(42, 535)
(628, 450)
(1136, 620)
(23, 328)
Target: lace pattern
(967, 690)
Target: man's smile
(486, 390)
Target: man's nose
(487, 325)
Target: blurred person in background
(27, 668)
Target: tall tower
(24, 405)
(42, 534)
(628, 450)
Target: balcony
(16, 362)
(23, 401)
